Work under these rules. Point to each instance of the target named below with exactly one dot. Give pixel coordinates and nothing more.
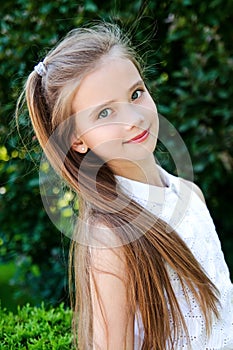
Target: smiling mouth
(140, 138)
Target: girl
(145, 277)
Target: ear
(79, 146)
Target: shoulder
(102, 235)
(106, 250)
(194, 188)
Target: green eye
(104, 113)
(136, 94)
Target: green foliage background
(188, 48)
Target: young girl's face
(115, 114)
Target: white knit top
(178, 205)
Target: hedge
(36, 328)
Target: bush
(36, 328)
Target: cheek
(102, 136)
(150, 104)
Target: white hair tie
(40, 69)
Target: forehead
(109, 81)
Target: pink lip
(140, 138)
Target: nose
(132, 116)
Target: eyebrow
(105, 104)
(139, 82)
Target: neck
(145, 171)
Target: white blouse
(178, 205)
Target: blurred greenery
(187, 45)
(7, 290)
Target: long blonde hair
(149, 287)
